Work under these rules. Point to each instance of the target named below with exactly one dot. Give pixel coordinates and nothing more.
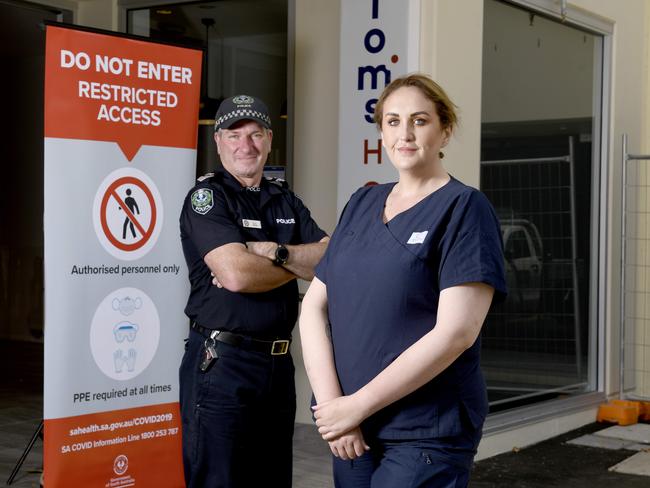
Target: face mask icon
(127, 305)
(125, 330)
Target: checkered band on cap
(242, 113)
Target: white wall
(450, 51)
(316, 107)
(315, 133)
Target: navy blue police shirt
(218, 211)
(383, 285)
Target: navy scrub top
(383, 285)
(228, 212)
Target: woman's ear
(447, 135)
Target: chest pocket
(283, 223)
(254, 228)
(276, 221)
(247, 217)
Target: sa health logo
(120, 465)
(202, 201)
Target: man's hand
(215, 281)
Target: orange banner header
(108, 88)
(133, 447)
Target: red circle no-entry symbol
(135, 218)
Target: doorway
(245, 52)
(22, 54)
(540, 167)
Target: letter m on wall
(373, 72)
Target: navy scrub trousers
(229, 441)
(421, 463)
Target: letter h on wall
(367, 151)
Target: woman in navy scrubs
(390, 325)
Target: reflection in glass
(539, 107)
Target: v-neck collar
(389, 187)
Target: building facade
(546, 89)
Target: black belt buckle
(280, 347)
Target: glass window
(245, 46)
(541, 89)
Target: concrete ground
(554, 463)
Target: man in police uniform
(251, 237)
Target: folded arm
(302, 257)
(237, 269)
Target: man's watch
(281, 255)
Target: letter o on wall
(381, 40)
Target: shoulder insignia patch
(278, 182)
(204, 177)
(202, 201)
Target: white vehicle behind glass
(523, 253)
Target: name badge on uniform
(252, 224)
(417, 237)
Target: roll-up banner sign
(121, 121)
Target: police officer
(252, 237)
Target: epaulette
(204, 177)
(277, 181)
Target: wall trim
(538, 412)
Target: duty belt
(274, 348)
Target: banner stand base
(38, 433)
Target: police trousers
(422, 463)
(237, 417)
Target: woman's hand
(349, 446)
(338, 416)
